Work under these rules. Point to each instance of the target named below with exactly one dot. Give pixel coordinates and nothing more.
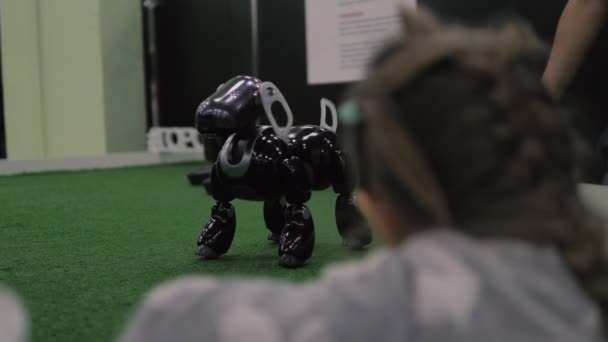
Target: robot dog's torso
(249, 163)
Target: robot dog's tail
(325, 104)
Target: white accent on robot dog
(325, 104)
(270, 93)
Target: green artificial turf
(81, 248)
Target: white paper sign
(343, 35)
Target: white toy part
(269, 94)
(325, 103)
(174, 139)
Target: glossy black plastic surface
(248, 165)
(255, 163)
(231, 108)
(316, 147)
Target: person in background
(579, 26)
(579, 62)
(13, 324)
(465, 171)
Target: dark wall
(542, 14)
(204, 43)
(201, 44)
(282, 39)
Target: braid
(481, 145)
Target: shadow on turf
(236, 262)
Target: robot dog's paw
(357, 238)
(207, 252)
(297, 238)
(290, 261)
(218, 233)
(355, 244)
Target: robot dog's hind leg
(351, 225)
(298, 235)
(218, 233)
(274, 217)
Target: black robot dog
(277, 165)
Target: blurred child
(13, 325)
(465, 170)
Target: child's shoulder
(439, 285)
(446, 282)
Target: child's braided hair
(458, 130)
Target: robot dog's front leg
(218, 233)
(298, 236)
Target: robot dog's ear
(269, 94)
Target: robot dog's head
(231, 108)
(236, 106)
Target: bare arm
(577, 29)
